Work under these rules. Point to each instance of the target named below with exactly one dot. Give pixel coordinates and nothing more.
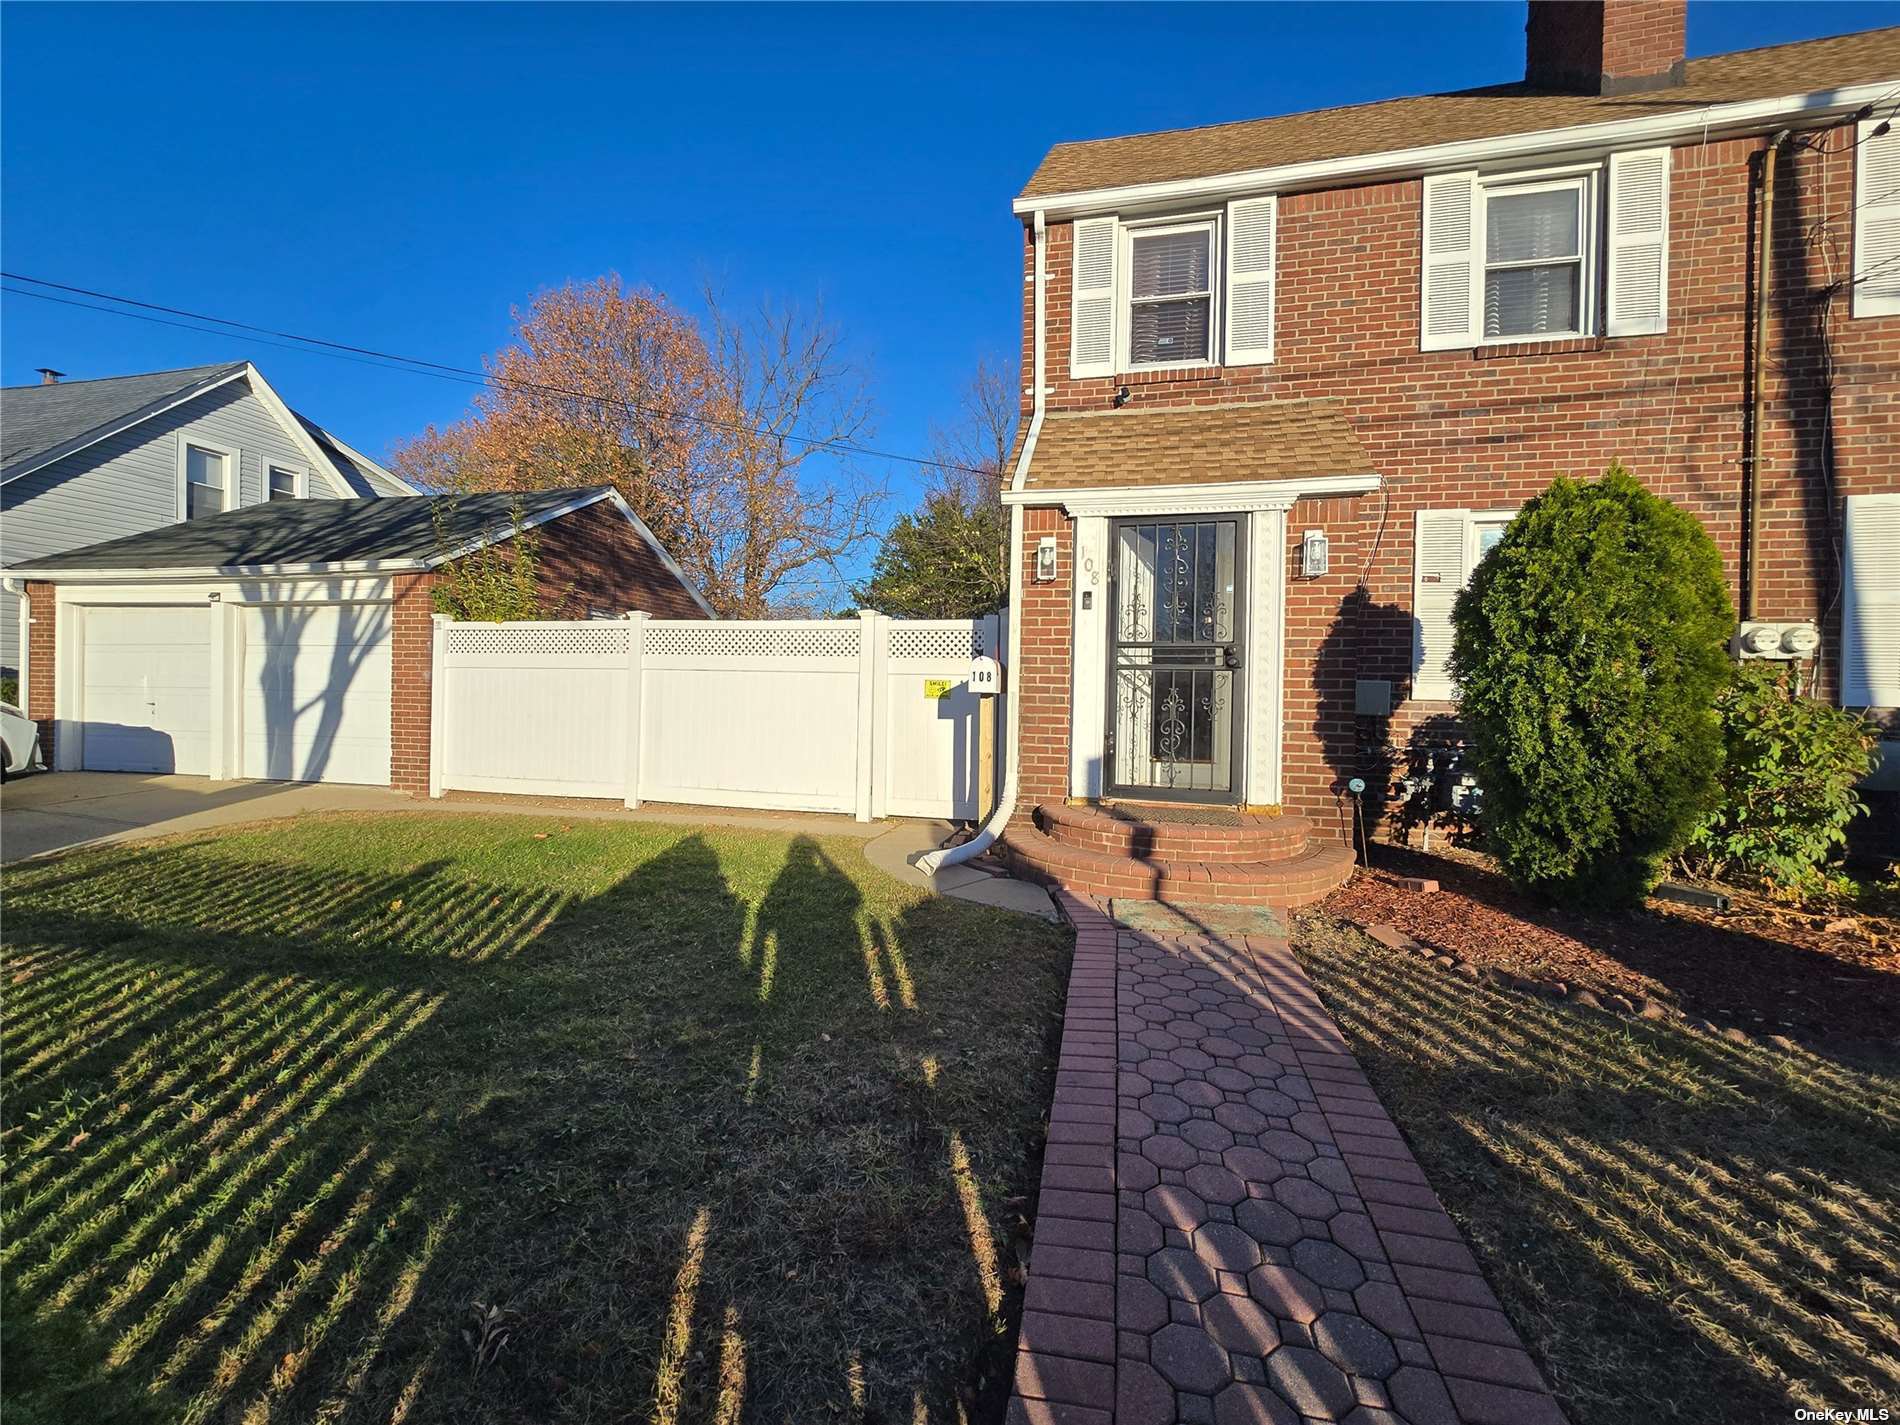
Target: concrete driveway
(55, 811)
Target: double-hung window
(208, 476)
(1545, 256)
(284, 482)
(1535, 272)
(1170, 315)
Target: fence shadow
(1670, 1218)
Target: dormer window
(1170, 295)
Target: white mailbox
(986, 677)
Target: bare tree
(791, 503)
(971, 456)
(723, 436)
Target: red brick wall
(1490, 428)
(412, 657)
(594, 559)
(1604, 48)
(42, 644)
(1045, 685)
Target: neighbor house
(1285, 381)
(82, 461)
(294, 640)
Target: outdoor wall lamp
(1314, 554)
(1046, 559)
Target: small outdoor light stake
(1357, 786)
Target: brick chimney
(1605, 46)
(48, 376)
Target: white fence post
(636, 653)
(438, 672)
(868, 702)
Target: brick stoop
(1261, 860)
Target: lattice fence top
(752, 640)
(600, 638)
(952, 642)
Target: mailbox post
(986, 681)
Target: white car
(19, 741)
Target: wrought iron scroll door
(1177, 653)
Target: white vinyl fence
(870, 716)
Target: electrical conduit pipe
(932, 862)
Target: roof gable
(39, 424)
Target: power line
(392, 361)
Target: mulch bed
(1829, 976)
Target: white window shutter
(1092, 299)
(1439, 569)
(1870, 607)
(1877, 222)
(1250, 280)
(1453, 263)
(1639, 242)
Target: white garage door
(147, 690)
(315, 693)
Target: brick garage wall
(412, 659)
(608, 566)
(1490, 429)
(42, 647)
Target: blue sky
(397, 176)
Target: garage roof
(303, 533)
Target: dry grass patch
(468, 1118)
(1677, 1224)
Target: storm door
(1176, 652)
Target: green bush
(10, 691)
(1786, 792)
(1589, 647)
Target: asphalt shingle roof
(399, 529)
(1258, 440)
(1809, 66)
(37, 418)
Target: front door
(1177, 646)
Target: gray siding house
(85, 461)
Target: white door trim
(1088, 695)
(1266, 655)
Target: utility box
(1372, 697)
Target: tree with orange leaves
(726, 437)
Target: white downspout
(17, 589)
(933, 861)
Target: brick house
(293, 640)
(1285, 381)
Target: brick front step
(1123, 832)
(1282, 885)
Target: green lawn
(1683, 1228)
(728, 1125)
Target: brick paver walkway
(1230, 1229)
